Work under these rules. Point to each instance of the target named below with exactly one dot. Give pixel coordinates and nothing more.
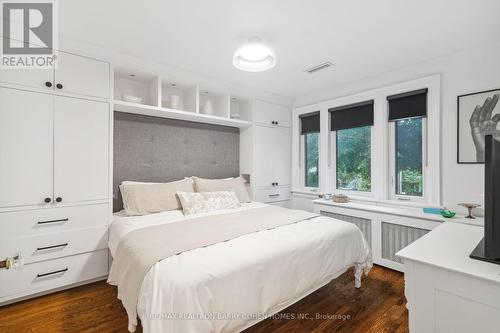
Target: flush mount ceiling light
(254, 56)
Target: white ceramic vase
(208, 108)
(175, 102)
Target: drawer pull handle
(53, 221)
(51, 273)
(51, 247)
(274, 195)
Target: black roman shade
(309, 123)
(412, 104)
(350, 116)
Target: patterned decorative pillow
(200, 202)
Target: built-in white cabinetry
(53, 148)
(81, 148)
(40, 78)
(81, 75)
(26, 147)
(272, 114)
(265, 127)
(446, 290)
(272, 147)
(152, 95)
(74, 75)
(269, 140)
(54, 176)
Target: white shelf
(137, 84)
(401, 211)
(149, 110)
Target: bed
(230, 285)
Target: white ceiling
(362, 38)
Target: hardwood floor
(379, 306)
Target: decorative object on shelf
(447, 213)
(431, 210)
(208, 107)
(175, 102)
(235, 109)
(470, 207)
(340, 198)
(133, 99)
(254, 56)
(478, 116)
(327, 196)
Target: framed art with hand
(478, 116)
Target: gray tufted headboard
(152, 149)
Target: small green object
(447, 213)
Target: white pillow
(226, 184)
(147, 198)
(200, 202)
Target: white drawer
(46, 275)
(55, 245)
(272, 194)
(58, 219)
(284, 204)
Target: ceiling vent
(319, 67)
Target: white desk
(448, 292)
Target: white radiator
(364, 224)
(395, 237)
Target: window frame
(392, 195)
(333, 171)
(380, 164)
(302, 157)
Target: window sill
(390, 203)
(408, 211)
(308, 192)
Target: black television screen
(489, 248)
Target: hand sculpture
(482, 124)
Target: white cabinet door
(35, 78)
(282, 164)
(26, 147)
(81, 149)
(81, 75)
(264, 156)
(267, 113)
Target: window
(311, 158)
(351, 127)
(407, 114)
(309, 130)
(353, 150)
(408, 159)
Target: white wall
(464, 72)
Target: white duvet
(232, 285)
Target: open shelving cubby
(189, 104)
(213, 103)
(137, 85)
(179, 97)
(241, 108)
